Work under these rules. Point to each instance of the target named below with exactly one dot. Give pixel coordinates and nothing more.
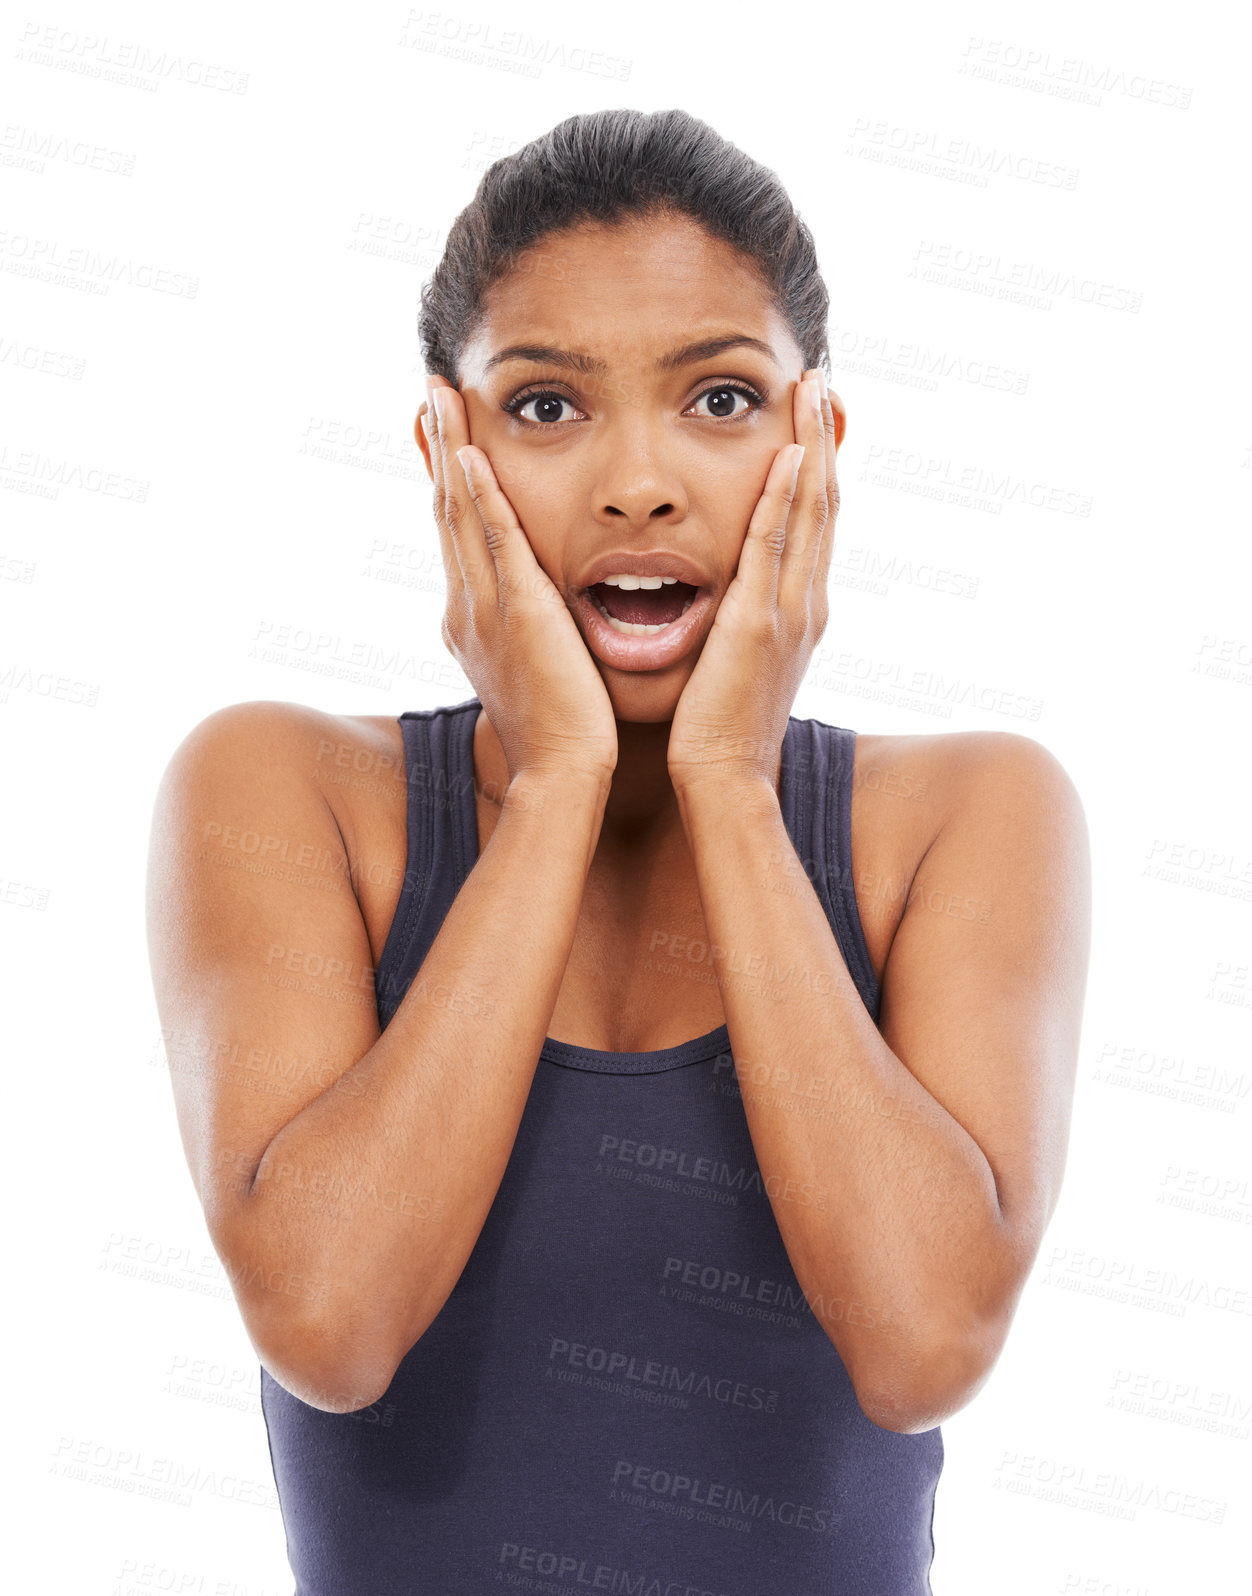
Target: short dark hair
(603, 166)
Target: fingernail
(467, 464)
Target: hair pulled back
(605, 166)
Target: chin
(645, 699)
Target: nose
(637, 481)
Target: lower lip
(652, 652)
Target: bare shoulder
(348, 759)
(908, 790)
(944, 771)
(294, 763)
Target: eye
(548, 405)
(722, 402)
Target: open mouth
(642, 611)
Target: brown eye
(547, 405)
(723, 402)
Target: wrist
(726, 791)
(536, 790)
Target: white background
(211, 268)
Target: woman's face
(612, 431)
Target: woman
(619, 1189)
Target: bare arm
(345, 1173)
(912, 1167)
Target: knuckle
(495, 535)
(775, 539)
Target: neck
(642, 807)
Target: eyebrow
(590, 366)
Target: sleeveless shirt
(626, 1390)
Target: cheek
(541, 493)
(728, 495)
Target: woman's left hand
(732, 715)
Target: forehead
(626, 289)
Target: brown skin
(644, 466)
(939, 1169)
(939, 1136)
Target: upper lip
(660, 562)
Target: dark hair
(603, 166)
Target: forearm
(887, 1207)
(375, 1193)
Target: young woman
(618, 1187)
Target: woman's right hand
(506, 624)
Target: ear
(841, 415)
(421, 439)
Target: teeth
(628, 627)
(630, 583)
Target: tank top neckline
(570, 1054)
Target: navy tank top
(626, 1390)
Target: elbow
(305, 1332)
(323, 1372)
(919, 1391)
(939, 1359)
(327, 1358)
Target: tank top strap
(442, 840)
(817, 810)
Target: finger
(827, 546)
(809, 516)
(517, 570)
(477, 566)
(447, 543)
(762, 552)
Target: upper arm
(983, 988)
(260, 957)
